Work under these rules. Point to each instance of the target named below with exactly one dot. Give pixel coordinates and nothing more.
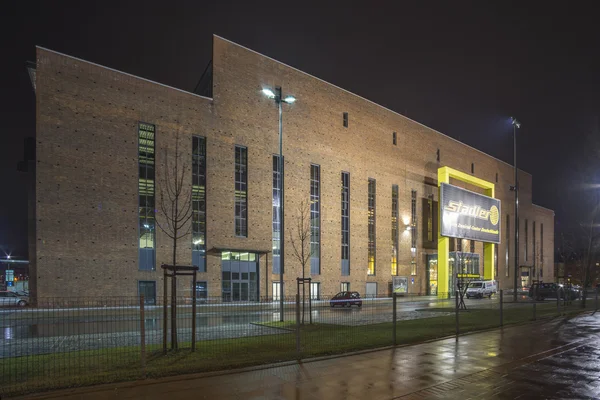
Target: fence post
(456, 312)
(534, 310)
(596, 300)
(394, 318)
(558, 300)
(194, 301)
(298, 325)
(501, 307)
(142, 337)
(165, 316)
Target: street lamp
(516, 124)
(279, 99)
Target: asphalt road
(30, 331)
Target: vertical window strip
(394, 270)
(345, 258)
(430, 218)
(276, 219)
(315, 219)
(199, 202)
(413, 231)
(241, 191)
(526, 240)
(507, 237)
(146, 193)
(533, 247)
(371, 223)
(541, 250)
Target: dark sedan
(346, 299)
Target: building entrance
(239, 276)
(432, 274)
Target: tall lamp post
(279, 100)
(516, 124)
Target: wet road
(559, 359)
(27, 331)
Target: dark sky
(459, 67)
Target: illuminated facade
(369, 174)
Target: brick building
(369, 173)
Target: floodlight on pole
(276, 95)
(516, 124)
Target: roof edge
(545, 208)
(370, 101)
(121, 72)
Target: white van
(480, 289)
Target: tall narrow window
(394, 138)
(496, 177)
(413, 232)
(345, 224)
(472, 168)
(241, 191)
(437, 155)
(371, 223)
(472, 246)
(507, 237)
(526, 240)
(315, 219)
(345, 120)
(146, 217)
(276, 234)
(430, 218)
(199, 202)
(541, 250)
(533, 247)
(394, 229)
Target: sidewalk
(557, 359)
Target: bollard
(394, 318)
(456, 302)
(298, 325)
(501, 307)
(142, 337)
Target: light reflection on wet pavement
(559, 359)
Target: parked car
(481, 289)
(9, 299)
(346, 299)
(540, 291)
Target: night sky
(459, 67)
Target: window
(201, 292)
(526, 239)
(371, 290)
(430, 218)
(345, 259)
(146, 216)
(148, 290)
(276, 291)
(507, 237)
(437, 156)
(199, 202)
(315, 219)
(394, 138)
(371, 224)
(276, 232)
(394, 230)
(413, 231)
(345, 287)
(535, 256)
(541, 250)
(472, 246)
(241, 191)
(472, 168)
(496, 177)
(315, 290)
(345, 120)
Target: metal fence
(66, 342)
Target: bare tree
(174, 214)
(175, 197)
(300, 233)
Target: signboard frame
(471, 226)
